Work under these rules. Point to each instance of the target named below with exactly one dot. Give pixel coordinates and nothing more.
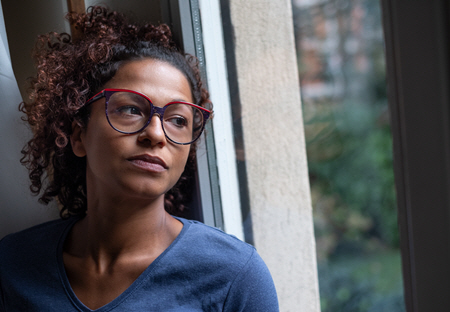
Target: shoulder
(29, 266)
(235, 263)
(213, 242)
(33, 240)
(36, 231)
(253, 289)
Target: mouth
(148, 163)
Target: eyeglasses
(130, 112)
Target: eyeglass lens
(129, 112)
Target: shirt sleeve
(253, 289)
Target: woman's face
(144, 165)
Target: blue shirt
(204, 269)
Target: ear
(76, 139)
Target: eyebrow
(180, 100)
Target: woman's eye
(178, 121)
(129, 110)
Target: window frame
(198, 29)
(417, 56)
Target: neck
(114, 229)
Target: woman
(115, 129)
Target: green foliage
(350, 158)
(361, 284)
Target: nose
(154, 132)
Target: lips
(148, 163)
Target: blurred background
(340, 51)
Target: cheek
(101, 147)
(180, 159)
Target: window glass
(349, 146)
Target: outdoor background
(340, 52)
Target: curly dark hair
(70, 71)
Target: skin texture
(126, 227)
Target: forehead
(157, 79)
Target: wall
(137, 10)
(274, 148)
(25, 20)
(18, 208)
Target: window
(347, 128)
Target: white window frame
(217, 78)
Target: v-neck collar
(133, 287)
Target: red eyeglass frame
(153, 109)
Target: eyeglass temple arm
(96, 97)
